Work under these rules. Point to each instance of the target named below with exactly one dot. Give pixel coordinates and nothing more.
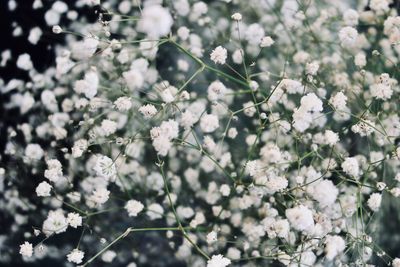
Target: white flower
(363, 127)
(219, 55)
(134, 79)
(155, 211)
(379, 5)
(109, 127)
(215, 90)
(108, 256)
(225, 190)
(55, 223)
(218, 261)
(276, 183)
(348, 36)
(338, 101)
(57, 29)
(34, 35)
(360, 60)
(155, 21)
(311, 103)
(123, 103)
(301, 120)
(43, 189)
(168, 129)
(188, 119)
(74, 219)
(237, 16)
(237, 56)
(350, 17)
(334, 245)
(391, 28)
(34, 152)
(75, 256)
(54, 171)
(24, 62)
(252, 167)
(134, 207)
(209, 123)
(148, 111)
(374, 201)
(212, 237)
(396, 262)
(310, 107)
(382, 90)
(232, 133)
(162, 145)
(282, 228)
(323, 191)
(312, 68)
(183, 33)
(105, 167)
(254, 33)
(266, 41)
(331, 138)
(300, 218)
(79, 147)
(84, 49)
(351, 167)
(249, 109)
(291, 86)
(167, 94)
(89, 84)
(26, 249)
(100, 196)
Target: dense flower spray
(185, 132)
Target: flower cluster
(221, 133)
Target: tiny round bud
(376, 53)
(237, 16)
(57, 29)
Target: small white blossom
(134, 207)
(80, 146)
(109, 127)
(218, 261)
(100, 196)
(312, 68)
(74, 219)
(75, 256)
(209, 123)
(225, 190)
(123, 103)
(237, 16)
(396, 262)
(351, 167)
(348, 36)
(219, 55)
(266, 41)
(374, 201)
(334, 245)
(300, 218)
(105, 167)
(148, 111)
(155, 21)
(212, 237)
(43, 189)
(57, 29)
(26, 249)
(24, 62)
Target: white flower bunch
(215, 138)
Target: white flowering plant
(215, 133)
